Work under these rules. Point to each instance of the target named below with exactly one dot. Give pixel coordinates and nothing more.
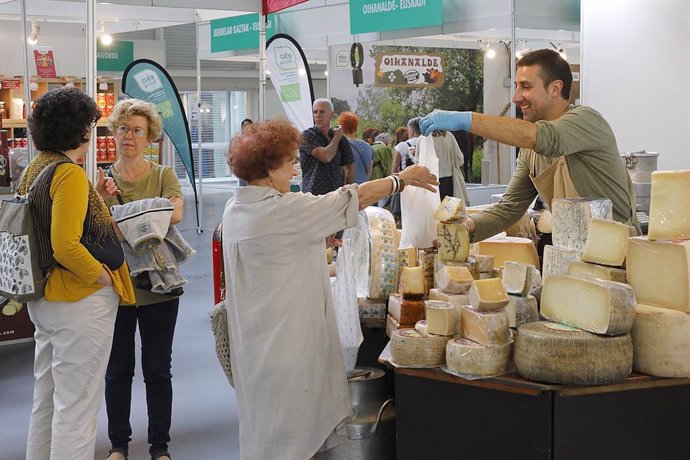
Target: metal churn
(640, 166)
(371, 431)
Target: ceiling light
(35, 32)
(106, 39)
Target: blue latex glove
(445, 120)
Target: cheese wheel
(411, 348)
(517, 278)
(412, 281)
(601, 272)
(598, 306)
(484, 327)
(659, 272)
(451, 209)
(606, 242)
(570, 219)
(453, 242)
(557, 260)
(661, 341)
(454, 280)
(405, 311)
(556, 353)
(669, 215)
(440, 317)
(488, 294)
(522, 310)
(469, 358)
(383, 235)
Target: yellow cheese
(407, 257)
(484, 327)
(570, 220)
(511, 248)
(488, 294)
(454, 280)
(601, 307)
(517, 277)
(557, 260)
(451, 209)
(454, 242)
(405, 311)
(469, 358)
(661, 341)
(410, 348)
(659, 272)
(606, 242)
(470, 264)
(669, 214)
(601, 272)
(412, 281)
(556, 353)
(440, 317)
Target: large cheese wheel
(410, 348)
(556, 353)
(570, 220)
(598, 306)
(661, 340)
(469, 358)
(383, 234)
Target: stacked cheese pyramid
(587, 340)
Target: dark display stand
(508, 417)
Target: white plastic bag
(345, 304)
(418, 205)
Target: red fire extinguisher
(218, 269)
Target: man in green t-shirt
(565, 151)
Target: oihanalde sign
(382, 15)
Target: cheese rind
(440, 317)
(517, 278)
(522, 310)
(598, 306)
(485, 263)
(659, 272)
(412, 281)
(484, 327)
(555, 353)
(451, 209)
(454, 242)
(454, 280)
(606, 242)
(570, 220)
(411, 348)
(405, 311)
(466, 357)
(669, 214)
(558, 259)
(661, 340)
(601, 272)
(488, 294)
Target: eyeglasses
(122, 130)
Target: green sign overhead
(382, 15)
(238, 32)
(115, 57)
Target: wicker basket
(219, 326)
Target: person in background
(407, 149)
(75, 319)
(369, 134)
(290, 380)
(450, 160)
(246, 122)
(401, 136)
(324, 153)
(383, 156)
(565, 151)
(362, 151)
(135, 124)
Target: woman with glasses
(136, 124)
(75, 319)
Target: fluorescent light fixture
(106, 39)
(35, 32)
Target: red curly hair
(349, 122)
(263, 147)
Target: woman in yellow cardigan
(75, 319)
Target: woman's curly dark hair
(62, 119)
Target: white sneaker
(116, 456)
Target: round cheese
(410, 348)
(556, 353)
(466, 357)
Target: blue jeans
(156, 327)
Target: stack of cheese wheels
(520, 280)
(406, 308)
(383, 270)
(412, 348)
(658, 269)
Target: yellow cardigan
(76, 278)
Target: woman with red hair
(288, 368)
(361, 151)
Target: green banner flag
(238, 32)
(115, 57)
(382, 15)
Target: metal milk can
(640, 166)
(371, 431)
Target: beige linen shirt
(287, 361)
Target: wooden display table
(508, 417)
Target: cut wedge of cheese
(412, 281)
(661, 341)
(484, 327)
(470, 264)
(455, 299)
(517, 277)
(393, 325)
(453, 242)
(570, 220)
(669, 214)
(601, 272)
(410, 348)
(598, 306)
(466, 357)
(451, 209)
(659, 272)
(556, 353)
(557, 260)
(488, 294)
(511, 248)
(405, 311)
(440, 317)
(606, 242)
(522, 310)
(485, 263)
(454, 280)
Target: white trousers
(73, 341)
